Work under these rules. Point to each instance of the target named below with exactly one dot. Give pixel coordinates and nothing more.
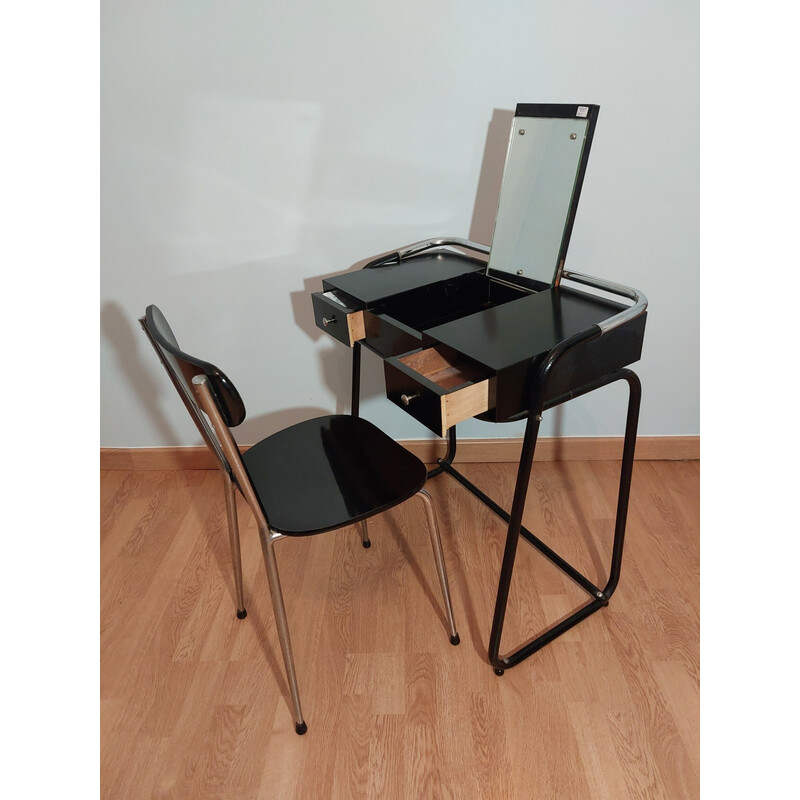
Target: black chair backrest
(181, 367)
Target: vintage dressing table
(495, 333)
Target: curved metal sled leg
(600, 597)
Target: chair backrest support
(230, 449)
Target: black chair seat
(330, 472)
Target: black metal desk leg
(601, 597)
(449, 455)
(356, 391)
(512, 538)
(626, 473)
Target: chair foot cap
(454, 640)
(367, 543)
(300, 729)
(499, 671)
(241, 614)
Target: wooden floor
(195, 702)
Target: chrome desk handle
(427, 244)
(639, 300)
(406, 399)
(326, 321)
(420, 247)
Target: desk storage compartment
(443, 301)
(334, 317)
(438, 387)
(387, 336)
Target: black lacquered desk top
(372, 286)
(504, 335)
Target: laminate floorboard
(194, 702)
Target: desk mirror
(547, 154)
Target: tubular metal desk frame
(535, 407)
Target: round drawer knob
(406, 399)
(326, 321)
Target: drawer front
(335, 318)
(435, 401)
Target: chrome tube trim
(438, 555)
(228, 446)
(410, 250)
(267, 537)
(427, 244)
(639, 300)
(233, 535)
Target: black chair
(316, 476)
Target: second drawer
(438, 387)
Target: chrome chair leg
(267, 539)
(365, 534)
(236, 552)
(438, 554)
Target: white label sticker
(583, 111)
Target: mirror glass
(540, 185)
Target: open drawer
(333, 315)
(438, 386)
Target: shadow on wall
(487, 195)
(245, 310)
(137, 360)
(481, 228)
(335, 363)
(126, 335)
(254, 429)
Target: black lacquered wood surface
(371, 286)
(330, 472)
(504, 335)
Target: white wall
(251, 148)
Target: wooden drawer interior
(446, 370)
(439, 387)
